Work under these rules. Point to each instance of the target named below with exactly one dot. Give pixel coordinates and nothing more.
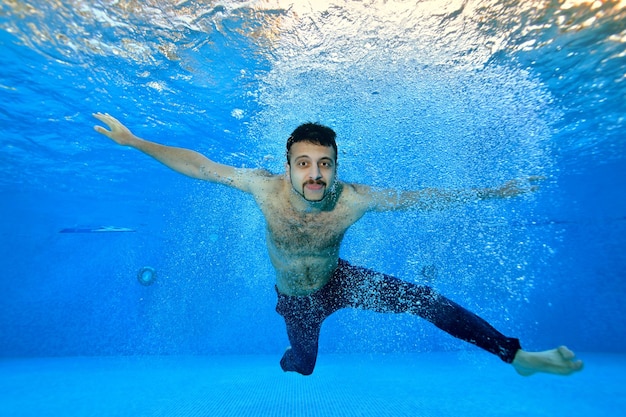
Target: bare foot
(560, 361)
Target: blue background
(514, 91)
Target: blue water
(421, 94)
(437, 384)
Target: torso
(304, 246)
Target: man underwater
(308, 211)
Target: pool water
(455, 94)
(437, 384)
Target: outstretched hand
(516, 187)
(118, 133)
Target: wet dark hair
(313, 133)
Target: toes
(566, 353)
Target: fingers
(106, 119)
(101, 116)
(533, 180)
(116, 131)
(526, 185)
(101, 130)
(515, 187)
(112, 123)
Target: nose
(315, 173)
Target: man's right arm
(185, 161)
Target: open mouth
(314, 186)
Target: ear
(287, 171)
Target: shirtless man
(308, 211)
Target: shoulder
(254, 180)
(261, 182)
(262, 176)
(357, 195)
(370, 198)
(358, 189)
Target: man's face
(312, 170)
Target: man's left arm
(440, 199)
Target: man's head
(314, 133)
(312, 161)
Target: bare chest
(311, 233)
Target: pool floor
(428, 384)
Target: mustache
(319, 182)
